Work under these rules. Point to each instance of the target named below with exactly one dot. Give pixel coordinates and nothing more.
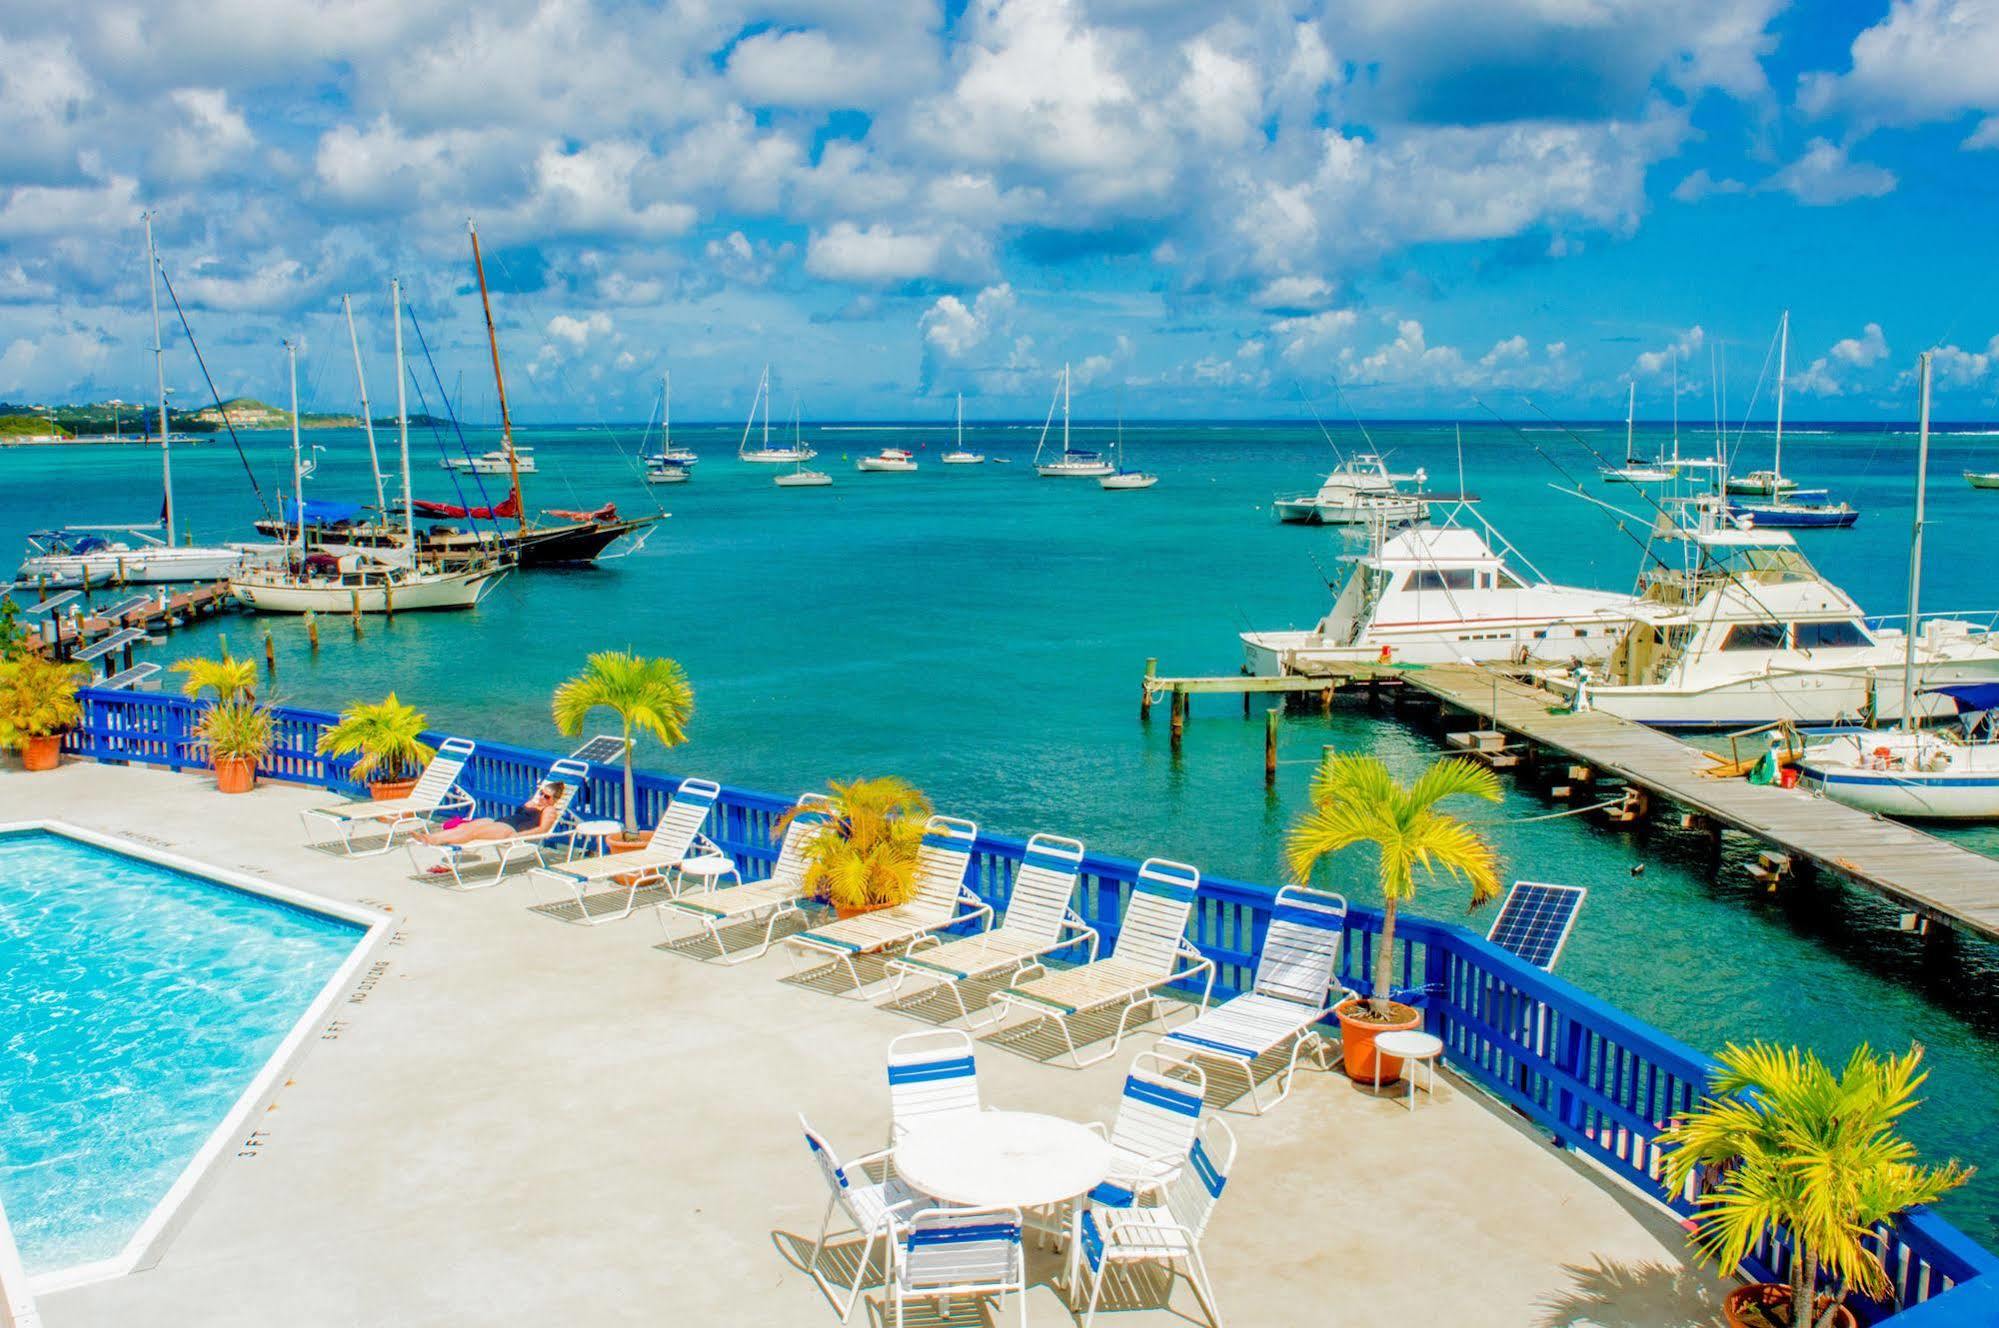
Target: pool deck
(520, 1122)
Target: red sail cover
(510, 508)
(608, 512)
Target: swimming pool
(147, 1005)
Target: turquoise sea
(982, 632)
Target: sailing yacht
(1634, 471)
(765, 454)
(959, 455)
(1443, 594)
(62, 557)
(1122, 478)
(1359, 491)
(1783, 503)
(1072, 463)
(799, 477)
(669, 465)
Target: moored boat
(1359, 491)
(1071, 462)
(764, 454)
(500, 461)
(960, 455)
(890, 460)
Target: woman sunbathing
(536, 816)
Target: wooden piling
(1270, 719)
(355, 612)
(270, 654)
(1179, 712)
(1145, 690)
(312, 630)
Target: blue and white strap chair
(1151, 954)
(768, 900)
(942, 901)
(869, 1197)
(435, 797)
(1039, 921)
(1168, 1232)
(1157, 1119)
(485, 862)
(944, 1253)
(931, 1075)
(1296, 987)
(675, 840)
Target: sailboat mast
(403, 418)
(499, 387)
(763, 387)
(1630, 408)
(160, 378)
(298, 459)
(961, 421)
(1783, 353)
(666, 411)
(1916, 550)
(1065, 408)
(367, 413)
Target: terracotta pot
(42, 752)
(1768, 1305)
(388, 790)
(622, 843)
(1357, 1042)
(842, 912)
(235, 774)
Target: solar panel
(126, 636)
(123, 607)
(600, 750)
(133, 678)
(1535, 921)
(49, 605)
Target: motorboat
(1982, 479)
(499, 461)
(764, 454)
(960, 455)
(72, 556)
(1634, 471)
(1071, 462)
(1360, 491)
(890, 460)
(1444, 594)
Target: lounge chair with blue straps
(1151, 954)
(435, 796)
(1168, 1232)
(1295, 988)
(675, 840)
(485, 862)
(942, 901)
(1038, 922)
(769, 900)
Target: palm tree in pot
(864, 855)
(235, 731)
(1785, 1144)
(1356, 800)
(386, 739)
(648, 695)
(37, 703)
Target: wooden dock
(1935, 880)
(67, 627)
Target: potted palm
(864, 856)
(386, 739)
(1355, 800)
(37, 703)
(1783, 1143)
(235, 731)
(648, 695)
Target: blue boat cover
(320, 512)
(1970, 697)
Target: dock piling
(270, 654)
(1269, 744)
(1145, 690)
(312, 630)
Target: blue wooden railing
(1599, 1081)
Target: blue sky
(1209, 209)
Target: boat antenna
(1916, 548)
(402, 418)
(1324, 433)
(367, 413)
(499, 388)
(160, 377)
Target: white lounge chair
(435, 796)
(1169, 1232)
(868, 1194)
(942, 1254)
(485, 862)
(931, 1074)
(1150, 954)
(1037, 923)
(1295, 988)
(1157, 1119)
(675, 840)
(942, 900)
(770, 899)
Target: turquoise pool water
(136, 1004)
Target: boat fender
(1387, 654)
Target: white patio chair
(1157, 1120)
(1295, 988)
(942, 901)
(869, 1196)
(435, 796)
(1038, 923)
(931, 1074)
(466, 866)
(771, 899)
(1168, 1232)
(675, 840)
(1150, 954)
(944, 1253)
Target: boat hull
(1802, 697)
(1128, 481)
(1059, 471)
(961, 459)
(1937, 780)
(456, 590)
(1796, 518)
(876, 466)
(1319, 512)
(1982, 479)
(776, 456)
(145, 566)
(1550, 641)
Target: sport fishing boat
(960, 455)
(765, 454)
(1442, 594)
(500, 461)
(1072, 463)
(69, 556)
(1359, 491)
(1634, 471)
(890, 460)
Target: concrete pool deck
(512, 1121)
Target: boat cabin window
(1454, 578)
(1507, 581)
(1815, 635)
(1755, 636)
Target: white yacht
(1441, 594)
(669, 465)
(499, 461)
(1634, 471)
(890, 460)
(1745, 631)
(1072, 463)
(1360, 490)
(960, 455)
(764, 454)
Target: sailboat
(1910, 772)
(1122, 478)
(98, 555)
(668, 465)
(765, 454)
(799, 477)
(959, 455)
(323, 582)
(1787, 505)
(1633, 471)
(1071, 464)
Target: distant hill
(30, 426)
(417, 421)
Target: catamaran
(1072, 463)
(1443, 594)
(1633, 471)
(765, 454)
(960, 455)
(62, 557)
